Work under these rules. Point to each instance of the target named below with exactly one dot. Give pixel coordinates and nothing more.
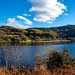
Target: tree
(17, 56)
(37, 38)
(5, 54)
(23, 37)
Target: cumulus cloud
(26, 15)
(49, 22)
(46, 10)
(26, 20)
(12, 22)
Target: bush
(23, 37)
(54, 59)
(37, 38)
(66, 57)
(9, 40)
(58, 59)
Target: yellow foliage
(66, 29)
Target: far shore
(55, 41)
(30, 41)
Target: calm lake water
(27, 52)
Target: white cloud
(26, 20)
(66, 14)
(21, 17)
(26, 15)
(12, 22)
(46, 10)
(49, 22)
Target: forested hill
(63, 31)
(38, 34)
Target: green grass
(27, 41)
(3, 41)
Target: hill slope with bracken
(63, 31)
(37, 34)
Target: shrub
(23, 37)
(66, 57)
(9, 40)
(54, 59)
(58, 59)
(37, 38)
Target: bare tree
(5, 54)
(16, 56)
(11, 55)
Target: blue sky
(37, 13)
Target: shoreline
(41, 41)
(53, 41)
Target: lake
(26, 52)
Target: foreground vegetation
(13, 35)
(42, 70)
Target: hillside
(38, 34)
(12, 34)
(63, 31)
